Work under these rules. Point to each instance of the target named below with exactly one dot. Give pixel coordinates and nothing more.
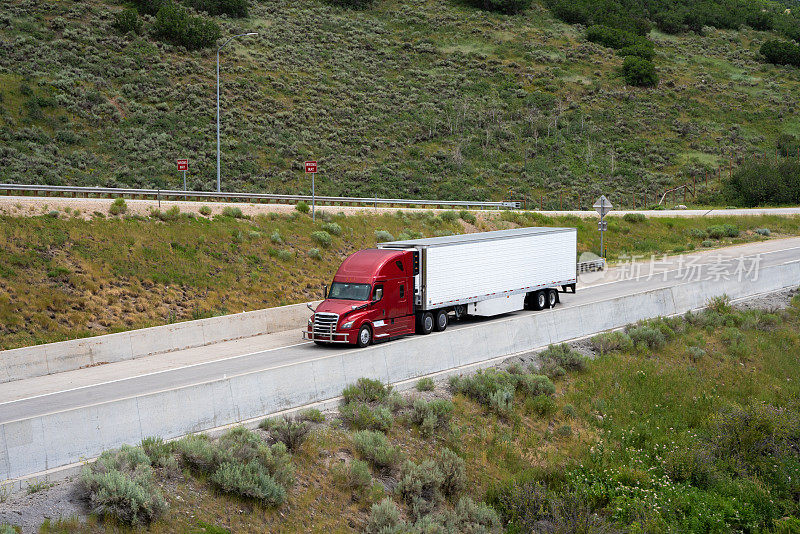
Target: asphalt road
(741, 261)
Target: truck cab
(370, 299)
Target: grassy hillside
(413, 98)
(63, 277)
(660, 433)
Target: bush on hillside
(365, 390)
(639, 72)
(149, 7)
(509, 7)
(322, 237)
(287, 430)
(353, 4)
(781, 52)
(128, 20)
(760, 184)
(175, 25)
(639, 50)
(420, 486)
(232, 8)
(431, 416)
(454, 472)
(375, 448)
(362, 416)
(118, 207)
(634, 217)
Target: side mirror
(324, 291)
(378, 295)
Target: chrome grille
(325, 323)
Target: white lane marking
(661, 273)
(152, 373)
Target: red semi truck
(403, 287)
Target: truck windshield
(340, 290)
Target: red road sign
(311, 167)
(183, 164)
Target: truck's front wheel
(364, 336)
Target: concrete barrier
(28, 362)
(45, 442)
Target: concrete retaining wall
(40, 443)
(28, 362)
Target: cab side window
(402, 290)
(377, 293)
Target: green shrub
(384, 518)
(642, 50)
(199, 452)
(205, 211)
(764, 183)
(502, 401)
(285, 255)
(708, 243)
(634, 217)
(611, 341)
(648, 336)
(383, 236)
(534, 385)
(448, 216)
(7, 529)
(509, 7)
(425, 384)
(375, 448)
(250, 479)
(420, 486)
(563, 356)
(467, 217)
(362, 416)
(781, 52)
(475, 517)
(698, 233)
(302, 207)
(175, 25)
(315, 254)
(353, 4)
(365, 390)
(541, 405)
(231, 211)
(161, 454)
(763, 231)
(128, 20)
(291, 432)
(615, 38)
(357, 476)
(332, 228)
(482, 385)
(232, 8)
(432, 415)
(395, 402)
(322, 237)
(276, 237)
(453, 470)
(118, 207)
(312, 415)
(695, 466)
(121, 484)
(639, 72)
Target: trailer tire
(364, 336)
(540, 300)
(425, 323)
(552, 298)
(441, 320)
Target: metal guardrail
(49, 190)
(591, 266)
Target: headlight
(347, 325)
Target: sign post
(183, 166)
(603, 206)
(311, 168)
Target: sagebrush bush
(362, 416)
(365, 390)
(425, 384)
(376, 449)
(647, 336)
(302, 207)
(509, 7)
(205, 211)
(611, 341)
(118, 207)
(199, 452)
(276, 237)
(432, 416)
(161, 454)
(249, 479)
(454, 472)
(314, 254)
(357, 476)
(128, 20)
(287, 430)
(121, 484)
(312, 415)
(231, 211)
(174, 24)
(467, 217)
(534, 385)
(382, 236)
(419, 486)
(322, 237)
(563, 356)
(332, 228)
(384, 518)
(634, 217)
(541, 405)
(449, 216)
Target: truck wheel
(540, 300)
(364, 336)
(441, 320)
(552, 298)
(425, 323)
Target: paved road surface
(62, 394)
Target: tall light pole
(218, 50)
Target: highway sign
(311, 167)
(183, 165)
(602, 205)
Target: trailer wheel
(425, 323)
(441, 320)
(540, 300)
(364, 336)
(552, 298)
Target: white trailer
(490, 273)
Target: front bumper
(332, 337)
